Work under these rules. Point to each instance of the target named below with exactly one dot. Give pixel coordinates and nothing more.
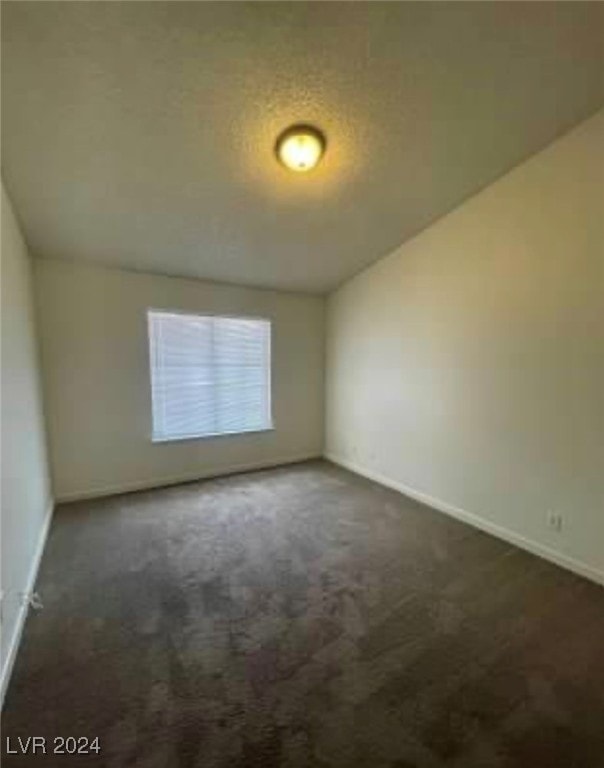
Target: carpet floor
(303, 617)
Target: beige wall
(469, 364)
(96, 375)
(26, 496)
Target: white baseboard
(28, 587)
(576, 566)
(161, 482)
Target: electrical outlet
(554, 521)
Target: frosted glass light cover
(300, 148)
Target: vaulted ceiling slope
(141, 134)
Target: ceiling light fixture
(300, 147)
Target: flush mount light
(300, 147)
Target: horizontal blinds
(209, 375)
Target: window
(209, 375)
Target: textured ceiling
(141, 134)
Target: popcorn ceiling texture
(304, 618)
(142, 134)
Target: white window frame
(155, 438)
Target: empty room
(302, 384)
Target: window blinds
(209, 375)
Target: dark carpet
(304, 617)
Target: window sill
(209, 436)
